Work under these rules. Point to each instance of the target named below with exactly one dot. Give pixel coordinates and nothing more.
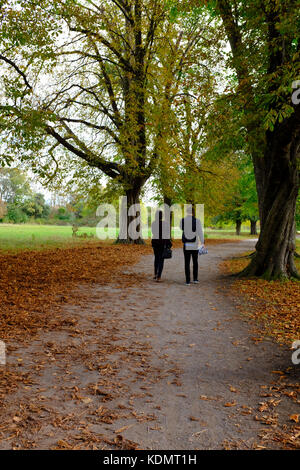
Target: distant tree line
(20, 203)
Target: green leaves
(173, 14)
(274, 116)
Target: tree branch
(93, 126)
(123, 6)
(111, 169)
(10, 62)
(123, 62)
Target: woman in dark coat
(160, 241)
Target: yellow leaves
(295, 418)
(268, 420)
(193, 418)
(86, 400)
(205, 398)
(61, 444)
(17, 419)
(124, 428)
(263, 407)
(229, 405)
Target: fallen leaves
(124, 428)
(125, 444)
(205, 398)
(35, 285)
(295, 418)
(274, 309)
(274, 306)
(34, 291)
(193, 418)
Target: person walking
(160, 241)
(191, 234)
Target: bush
(15, 214)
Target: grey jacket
(192, 230)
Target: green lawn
(21, 237)
(26, 236)
(33, 237)
(227, 233)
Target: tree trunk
(130, 217)
(253, 230)
(238, 227)
(274, 258)
(276, 173)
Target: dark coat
(159, 230)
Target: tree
(242, 203)
(35, 206)
(3, 209)
(14, 189)
(14, 185)
(298, 214)
(246, 188)
(20, 200)
(186, 170)
(264, 37)
(100, 61)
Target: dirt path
(154, 366)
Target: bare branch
(125, 9)
(10, 62)
(123, 62)
(111, 169)
(93, 126)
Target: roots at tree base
(250, 256)
(272, 271)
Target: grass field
(31, 237)
(36, 237)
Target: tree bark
(130, 217)
(274, 153)
(238, 227)
(253, 230)
(275, 250)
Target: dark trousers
(158, 260)
(188, 254)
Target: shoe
(195, 282)
(158, 279)
(187, 283)
(155, 277)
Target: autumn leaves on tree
(264, 39)
(173, 94)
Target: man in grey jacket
(192, 233)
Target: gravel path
(164, 365)
(202, 332)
